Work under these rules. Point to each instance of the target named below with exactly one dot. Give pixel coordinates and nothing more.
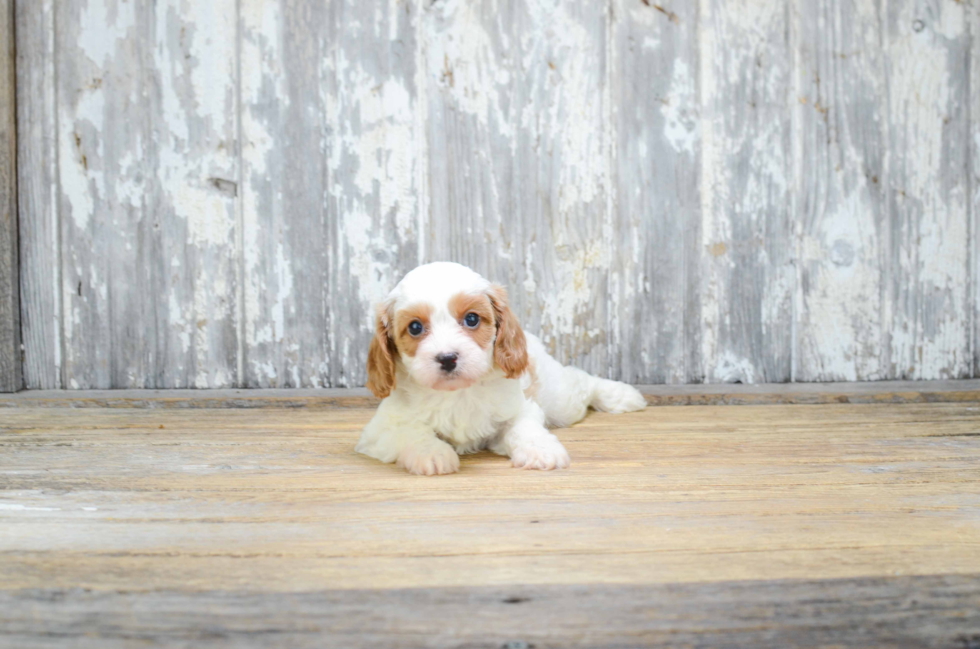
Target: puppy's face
(448, 327)
(447, 346)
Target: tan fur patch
(408, 344)
(462, 303)
(532, 389)
(381, 356)
(510, 349)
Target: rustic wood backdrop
(213, 194)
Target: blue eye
(472, 320)
(415, 328)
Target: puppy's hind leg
(566, 393)
(616, 397)
(582, 390)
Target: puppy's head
(448, 327)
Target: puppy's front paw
(543, 454)
(437, 458)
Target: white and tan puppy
(456, 374)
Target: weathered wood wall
(10, 358)
(214, 194)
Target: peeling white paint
(745, 187)
(460, 57)
(681, 128)
(730, 368)
(100, 28)
(562, 308)
(385, 148)
(362, 242)
(576, 108)
(843, 303)
(505, 122)
(80, 183)
(928, 339)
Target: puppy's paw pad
(541, 457)
(617, 398)
(429, 460)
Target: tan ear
(381, 356)
(510, 348)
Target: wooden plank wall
(214, 194)
(10, 357)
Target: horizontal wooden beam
(657, 395)
(939, 611)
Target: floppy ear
(510, 348)
(381, 355)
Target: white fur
(429, 420)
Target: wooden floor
(779, 525)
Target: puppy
(456, 374)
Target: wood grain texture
(107, 499)
(146, 139)
(973, 21)
(840, 179)
(836, 525)
(189, 224)
(519, 146)
(927, 63)
(332, 157)
(654, 320)
(860, 613)
(285, 221)
(10, 357)
(724, 191)
(377, 190)
(37, 183)
(747, 237)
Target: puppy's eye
(415, 328)
(472, 320)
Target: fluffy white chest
(468, 418)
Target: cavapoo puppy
(456, 374)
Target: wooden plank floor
(801, 525)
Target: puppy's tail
(615, 397)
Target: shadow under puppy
(456, 374)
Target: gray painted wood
(189, 221)
(331, 184)
(841, 190)
(285, 221)
(749, 279)
(654, 329)
(146, 147)
(519, 145)
(974, 204)
(918, 611)
(102, 145)
(10, 360)
(37, 182)
(215, 196)
(928, 265)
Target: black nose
(448, 361)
